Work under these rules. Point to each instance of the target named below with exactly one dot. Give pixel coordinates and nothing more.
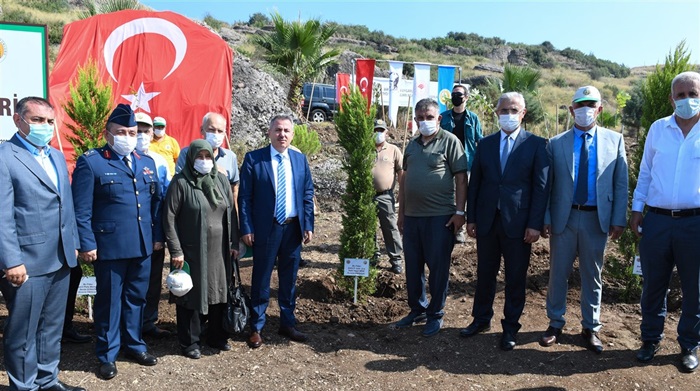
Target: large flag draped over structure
(342, 87)
(395, 72)
(161, 63)
(364, 77)
(446, 79)
(421, 85)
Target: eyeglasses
(457, 94)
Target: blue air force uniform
(117, 211)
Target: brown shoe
(293, 334)
(550, 336)
(591, 340)
(255, 340)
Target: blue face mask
(687, 108)
(39, 134)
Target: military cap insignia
(587, 91)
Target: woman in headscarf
(201, 228)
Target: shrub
(560, 82)
(53, 6)
(306, 140)
(214, 23)
(259, 20)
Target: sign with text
(23, 69)
(87, 287)
(356, 267)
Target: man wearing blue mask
(38, 243)
(669, 186)
(587, 205)
(432, 195)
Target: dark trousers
(427, 242)
(516, 258)
(155, 284)
(189, 327)
(669, 242)
(76, 274)
(283, 244)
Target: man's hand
(177, 262)
(636, 223)
(16, 275)
(308, 235)
(546, 231)
(615, 231)
(88, 256)
(531, 235)
(234, 254)
(456, 221)
(248, 239)
(471, 230)
(157, 246)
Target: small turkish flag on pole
(342, 87)
(364, 76)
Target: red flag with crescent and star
(160, 63)
(342, 87)
(364, 76)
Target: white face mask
(687, 108)
(143, 140)
(203, 166)
(379, 137)
(159, 132)
(427, 128)
(509, 122)
(215, 139)
(585, 116)
(124, 145)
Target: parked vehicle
(323, 103)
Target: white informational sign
(23, 69)
(405, 90)
(637, 268)
(87, 287)
(356, 267)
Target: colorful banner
(446, 79)
(342, 87)
(364, 78)
(421, 86)
(161, 63)
(395, 73)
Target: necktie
(581, 195)
(281, 198)
(505, 153)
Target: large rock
(449, 50)
(489, 68)
(518, 57)
(464, 51)
(231, 37)
(499, 54)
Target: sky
(633, 33)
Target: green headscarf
(205, 183)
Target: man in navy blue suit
(117, 203)
(38, 243)
(506, 203)
(276, 216)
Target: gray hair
(515, 96)
(207, 117)
(21, 106)
(277, 117)
(685, 77)
(426, 104)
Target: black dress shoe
(507, 341)
(108, 370)
(292, 333)
(689, 360)
(647, 351)
(474, 328)
(591, 340)
(61, 386)
(143, 358)
(157, 333)
(72, 335)
(303, 262)
(550, 336)
(194, 354)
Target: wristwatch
(459, 212)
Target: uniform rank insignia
(147, 171)
(106, 154)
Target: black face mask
(457, 100)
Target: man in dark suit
(506, 203)
(38, 244)
(117, 205)
(276, 216)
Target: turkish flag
(364, 76)
(342, 87)
(161, 63)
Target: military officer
(117, 202)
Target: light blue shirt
(42, 157)
(591, 141)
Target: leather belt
(584, 208)
(675, 212)
(390, 191)
(287, 221)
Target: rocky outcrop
(518, 57)
(489, 68)
(499, 54)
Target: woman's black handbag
(238, 306)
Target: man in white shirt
(669, 185)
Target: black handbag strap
(236, 271)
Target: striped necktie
(281, 199)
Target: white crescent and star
(366, 84)
(142, 26)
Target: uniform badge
(106, 153)
(147, 171)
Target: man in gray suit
(38, 242)
(587, 205)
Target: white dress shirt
(289, 177)
(669, 173)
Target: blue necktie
(581, 196)
(505, 153)
(281, 201)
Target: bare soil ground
(352, 348)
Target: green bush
(306, 140)
(560, 81)
(55, 32)
(53, 6)
(214, 23)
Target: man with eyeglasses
(466, 126)
(117, 207)
(38, 246)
